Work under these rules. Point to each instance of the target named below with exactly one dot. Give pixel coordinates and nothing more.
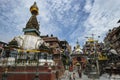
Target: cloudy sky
(69, 20)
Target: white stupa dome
(29, 41)
(79, 50)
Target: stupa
(27, 57)
(31, 38)
(77, 49)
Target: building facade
(57, 45)
(112, 39)
(2, 44)
(58, 49)
(65, 46)
(54, 43)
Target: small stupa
(77, 49)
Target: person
(73, 76)
(79, 73)
(0, 52)
(70, 78)
(111, 71)
(57, 75)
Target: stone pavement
(67, 74)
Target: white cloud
(103, 16)
(88, 5)
(57, 16)
(76, 7)
(46, 24)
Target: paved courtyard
(67, 75)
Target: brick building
(53, 42)
(65, 46)
(2, 44)
(112, 39)
(56, 45)
(58, 49)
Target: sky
(69, 20)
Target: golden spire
(34, 9)
(77, 44)
(32, 26)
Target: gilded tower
(32, 26)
